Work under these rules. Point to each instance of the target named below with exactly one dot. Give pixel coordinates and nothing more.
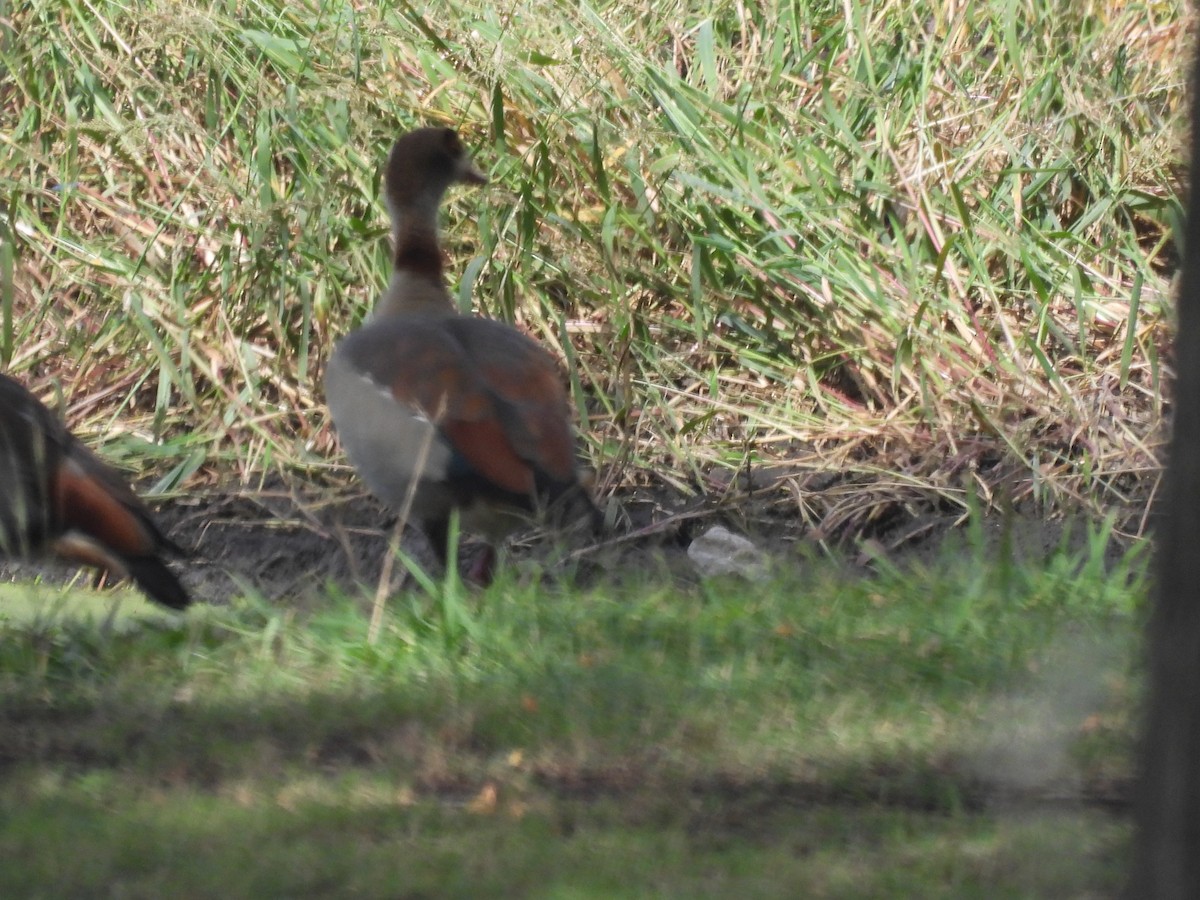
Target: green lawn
(955, 730)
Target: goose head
(421, 166)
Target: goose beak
(469, 173)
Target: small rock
(721, 552)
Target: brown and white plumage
(483, 403)
(58, 498)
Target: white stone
(721, 552)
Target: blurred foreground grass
(953, 729)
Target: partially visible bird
(58, 498)
(471, 408)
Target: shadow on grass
(917, 733)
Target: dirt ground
(285, 543)
(292, 543)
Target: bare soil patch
(291, 543)
(288, 543)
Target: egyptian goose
(471, 408)
(57, 497)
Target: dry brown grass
(882, 258)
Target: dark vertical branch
(1167, 851)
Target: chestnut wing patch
(429, 374)
(496, 396)
(87, 505)
(531, 401)
(486, 448)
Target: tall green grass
(924, 240)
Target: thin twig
(385, 575)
